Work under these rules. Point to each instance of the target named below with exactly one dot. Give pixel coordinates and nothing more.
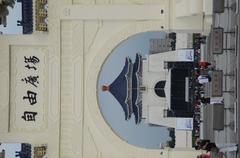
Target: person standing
(203, 79)
(203, 64)
(204, 156)
(229, 147)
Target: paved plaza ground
(229, 63)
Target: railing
(41, 15)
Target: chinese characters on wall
(29, 92)
(31, 64)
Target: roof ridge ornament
(105, 88)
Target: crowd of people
(205, 144)
(202, 76)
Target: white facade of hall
(154, 107)
(153, 72)
(82, 33)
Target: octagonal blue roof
(120, 88)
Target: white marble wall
(77, 46)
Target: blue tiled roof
(136, 102)
(27, 16)
(126, 88)
(120, 88)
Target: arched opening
(159, 89)
(123, 123)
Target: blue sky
(14, 15)
(140, 135)
(10, 149)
